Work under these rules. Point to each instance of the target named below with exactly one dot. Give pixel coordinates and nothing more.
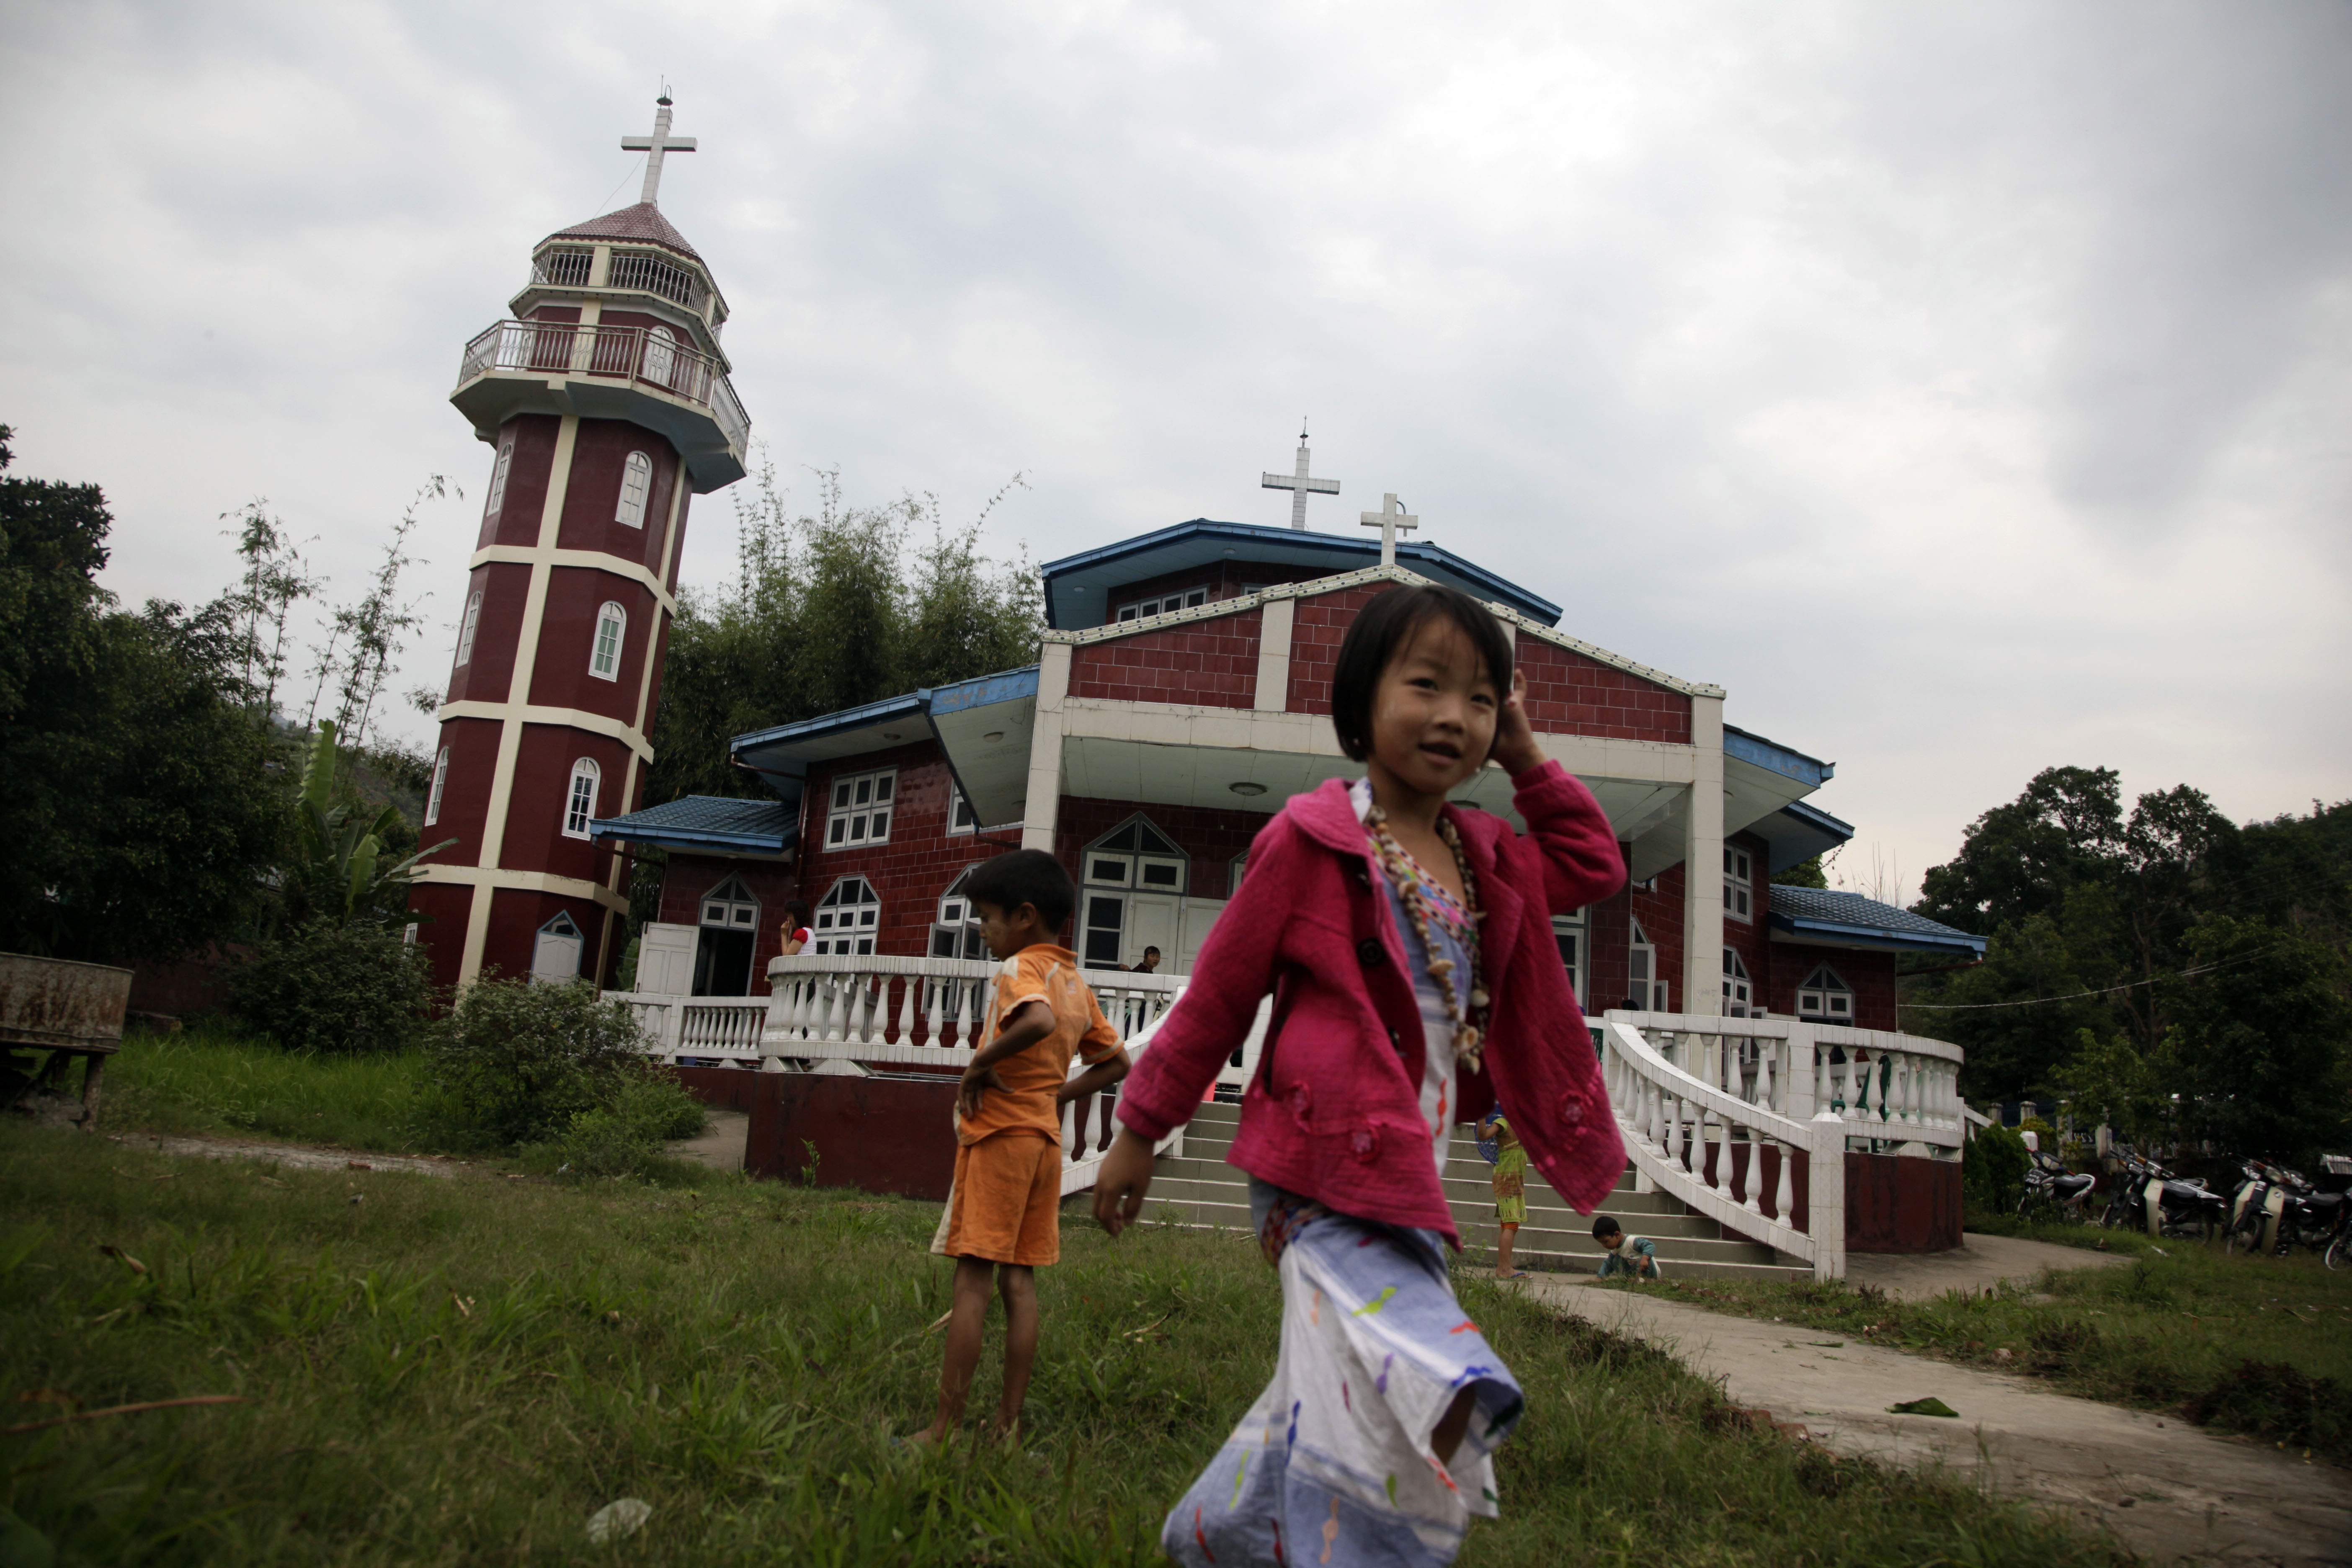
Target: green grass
(213, 1080)
(2257, 1345)
(461, 1371)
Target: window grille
(1182, 599)
(568, 269)
(860, 813)
(1825, 995)
(605, 659)
(848, 918)
(637, 482)
(1738, 884)
(580, 803)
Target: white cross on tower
(1299, 486)
(1388, 519)
(654, 146)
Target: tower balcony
(637, 373)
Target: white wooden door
(1152, 922)
(1200, 914)
(666, 959)
(555, 955)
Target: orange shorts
(1006, 1205)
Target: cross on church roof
(654, 146)
(1388, 519)
(1299, 486)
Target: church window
(847, 918)
(1134, 855)
(498, 478)
(580, 800)
(730, 906)
(1645, 991)
(468, 625)
(1182, 599)
(861, 806)
(1826, 997)
(1739, 883)
(555, 953)
(605, 661)
(1570, 934)
(1738, 992)
(637, 481)
(962, 818)
(440, 778)
(953, 936)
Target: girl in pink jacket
(1408, 947)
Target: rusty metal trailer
(68, 1011)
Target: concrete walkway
(1979, 1262)
(2170, 1492)
(722, 1145)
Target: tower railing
(638, 354)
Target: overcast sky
(1967, 388)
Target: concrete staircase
(1200, 1189)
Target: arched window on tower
(1825, 995)
(440, 780)
(605, 657)
(661, 356)
(499, 477)
(467, 625)
(637, 483)
(847, 918)
(580, 800)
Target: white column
(1044, 805)
(1703, 864)
(1275, 619)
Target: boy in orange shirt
(1005, 1211)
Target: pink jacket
(1333, 1111)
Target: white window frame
(1572, 934)
(1739, 987)
(1235, 870)
(637, 486)
(962, 821)
(661, 356)
(498, 471)
(1738, 884)
(468, 625)
(858, 808)
(605, 661)
(844, 922)
(729, 906)
(1822, 987)
(579, 805)
(950, 936)
(1180, 599)
(1643, 982)
(440, 780)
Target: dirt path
(720, 1147)
(294, 1155)
(2169, 1492)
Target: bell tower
(605, 400)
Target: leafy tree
(1803, 874)
(141, 810)
(2018, 860)
(330, 986)
(339, 871)
(2013, 1050)
(827, 611)
(2258, 1049)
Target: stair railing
(1683, 1086)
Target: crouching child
(1624, 1254)
(1004, 1211)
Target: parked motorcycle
(2146, 1196)
(2053, 1192)
(2275, 1210)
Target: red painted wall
(560, 676)
(516, 916)
(1212, 837)
(600, 450)
(517, 521)
(1317, 626)
(877, 1134)
(1750, 938)
(1211, 663)
(1571, 694)
(473, 746)
(688, 877)
(1869, 975)
(535, 840)
(442, 931)
(488, 668)
(1895, 1204)
(1225, 580)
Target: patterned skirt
(1333, 1464)
(1511, 1186)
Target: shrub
(1992, 1171)
(624, 1136)
(519, 1062)
(327, 986)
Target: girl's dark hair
(1603, 1225)
(1385, 627)
(797, 911)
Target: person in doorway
(1003, 1210)
(1150, 965)
(796, 931)
(1622, 1254)
(1403, 940)
(1510, 1189)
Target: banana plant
(341, 851)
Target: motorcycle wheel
(2338, 1252)
(2243, 1237)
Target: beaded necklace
(1405, 874)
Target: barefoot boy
(1004, 1212)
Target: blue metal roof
(1077, 587)
(1750, 747)
(1849, 920)
(707, 822)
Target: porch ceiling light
(993, 736)
(1245, 788)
